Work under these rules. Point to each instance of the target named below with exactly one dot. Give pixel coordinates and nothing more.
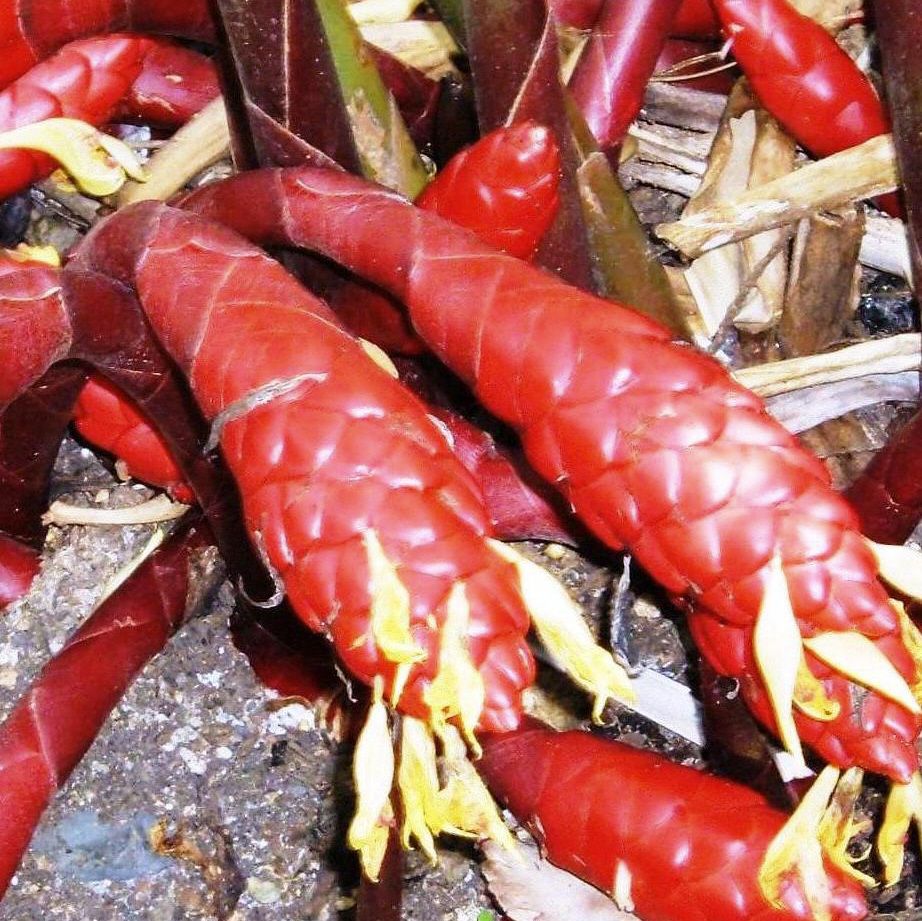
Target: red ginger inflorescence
(651, 441)
(341, 453)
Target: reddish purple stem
(888, 494)
(57, 719)
(617, 63)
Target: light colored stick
(425, 45)
(749, 149)
(830, 14)
(799, 410)
(203, 140)
(661, 150)
(376, 12)
(160, 508)
(860, 172)
(685, 150)
(885, 246)
(672, 104)
(659, 175)
(874, 356)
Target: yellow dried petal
(457, 690)
(390, 606)
(467, 808)
(778, 651)
(796, 848)
(418, 782)
(838, 826)
(899, 566)
(373, 772)
(97, 163)
(810, 696)
(401, 677)
(912, 640)
(62, 182)
(123, 155)
(904, 806)
(380, 358)
(564, 633)
(856, 657)
(26, 253)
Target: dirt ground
(196, 747)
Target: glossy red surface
(691, 841)
(651, 441)
(32, 30)
(107, 419)
(802, 76)
(344, 450)
(617, 62)
(503, 188)
(18, 567)
(55, 722)
(90, 80)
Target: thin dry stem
(202, 141)
(673, 159)
(832, 15)
(799, 410)
(874, 356)
(747, 284)
(423, 44)
(160, 508)
(860, 172)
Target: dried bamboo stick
(799, 410)
(874, 356)
(204, 140)
(860, 172)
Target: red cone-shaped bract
(690, 843)
(655, 446)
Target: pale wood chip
(533, 889)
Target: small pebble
(8, 677)
(263, 891)
(14, 219)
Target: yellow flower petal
(810, 696)
(912, 640)
(564, 633)
(856, 657)
(97, 163)
(778, 651)
(458, 689)
(373, 772)
(904, 806)
(123, 155)
(838, 826)
(900, 566)
(418, 781)
(26, 253)
(467, 807)
(797, 848)
(390, 607)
